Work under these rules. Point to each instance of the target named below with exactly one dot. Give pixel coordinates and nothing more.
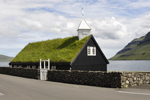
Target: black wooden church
(75, 53)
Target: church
(80, 52)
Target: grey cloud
(21, 24)
(146, 25)
(109, 28)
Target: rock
(123, 83)
(138, 79)
(134, 78)
(123, 79)
(129, 75)
(138, 83)
(125, 86)
(134, 85)
(130, 80)
(143, 78)
(141, 82)
(147, 82)
(127, 82)
(146, 78)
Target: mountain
(137, 49)
(5, 58)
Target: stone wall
(93, 78)
(129, 79)
(103, 79)
(21, 72)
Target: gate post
(44, 71)
(40, 64)
(48, 64)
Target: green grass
(57, 50)
(137, 52)
(141, 52)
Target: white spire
(83, 25)
(83, 29)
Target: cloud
(24, 21)
(109, 28)
(139, 26)
(140, 3)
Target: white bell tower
(83, 29)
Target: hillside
(5, 58)
(58, 50)
(137, 49)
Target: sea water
(4, 64)
(128, 65)
(117, 65)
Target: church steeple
(83, 29)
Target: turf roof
(57, 50)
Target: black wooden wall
(93, 63)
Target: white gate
(43, 71)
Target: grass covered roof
(57, 50)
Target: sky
(114, 23)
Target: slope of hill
(137, 49)
(5, 58)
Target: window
(91, 51)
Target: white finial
(82, 12)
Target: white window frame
(91, 51)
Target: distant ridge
(5, 58)
(137, 49)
